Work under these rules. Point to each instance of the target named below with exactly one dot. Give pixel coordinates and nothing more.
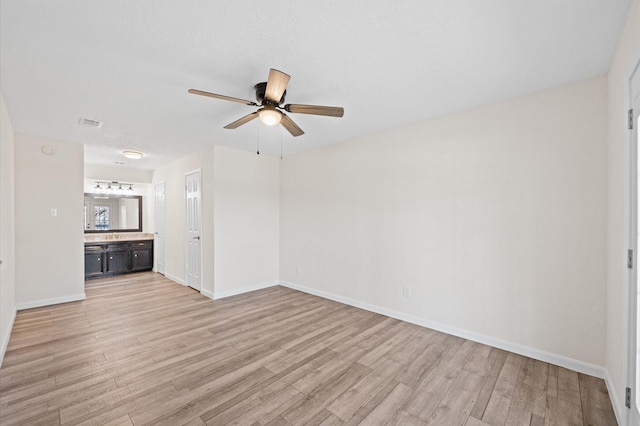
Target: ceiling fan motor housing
(260, 90)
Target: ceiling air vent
(91, 123)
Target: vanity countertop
(117, 236)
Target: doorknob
(196, 238)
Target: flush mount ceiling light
(134, 155)
(269, 116)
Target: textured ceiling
(388, 63)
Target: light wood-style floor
(144, 350)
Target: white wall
(7, 229)
(494, 217)
(119, 173)
(627, 55)
(49, 250)
(246, 220)
(173, 174)
(240, 203)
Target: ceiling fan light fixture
(269, 116)
(134, 155)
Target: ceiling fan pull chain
(281, 143)
(258, 138)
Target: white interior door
(634, 296)
(159, 243)
(193, 225)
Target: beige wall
(173, 174)
(239, 219)
(7, 229)
(49, 250)
(246, 220)
(106, 172)
(494, 217)
(627, 55)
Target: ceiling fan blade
(247, 118)
(291, 126)
(225, 98)
(276, 85)
(315, 110)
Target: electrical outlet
(406, 291)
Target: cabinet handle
(135, 255)
(111, 258)
(98, 258)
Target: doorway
(160, 227)
(193, 229)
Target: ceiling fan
(270, 96)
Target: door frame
(155, 212)
(632, 414)
(186, 241)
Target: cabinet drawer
(118, 247)
(93, 248)
(142, 244)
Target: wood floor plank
(458, 402)
(141, 349)
(432, 390)
(358, 395)
(387, 409)
(496, 361)
(561, 412)
(472, 421)
(316, 404)
(568, 386)
(596, 405)
(500, 400)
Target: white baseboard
(5, 341)
(569, 363)
(176, 279)
(207, 293)
(222, 294)
(617, 408)
(53, 301)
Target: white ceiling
(129, 63)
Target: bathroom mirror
(112, 213)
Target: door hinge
(631, 119)
(627, 398)
(630, 259)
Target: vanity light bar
(114, 185)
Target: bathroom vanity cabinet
(102, 259)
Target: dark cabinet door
(142, 255)
(93, 261)
(118, 259)
(142, 259)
